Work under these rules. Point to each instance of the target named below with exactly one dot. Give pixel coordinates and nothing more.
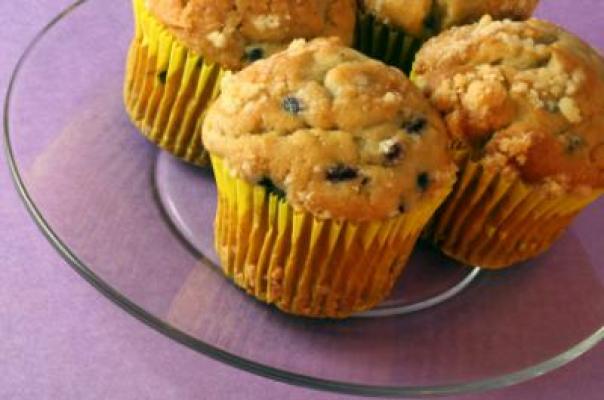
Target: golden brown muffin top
(236, 32)
(408, 15)
(449, 13)
(522, 97)
(340, 135)
(413, 16)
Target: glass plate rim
(217, 354)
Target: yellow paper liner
(493, 221)
(305, 265)
(388, 44)
(168, 88)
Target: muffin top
(413, 16)
(408, 15)
(234, 33)
(338, 134)
(522, 97)
(449, 13)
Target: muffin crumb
(218, 39)
(568, 107)
(266, 22)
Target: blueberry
(402, 208)
(574, 143)
(393, 152)
(340, 173)
(291, 105)
(162, 76)
(271, 188)
(254, 53)
(423, 181)
(415, 126)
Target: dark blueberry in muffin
(292, 105)
(254, 54)
(416, 125)
(423, 181)
(392, 151)
(574, 143)
(271, 188)
(340, 173)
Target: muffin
(394, 30)
(328, 166)
(524, 104)
(182, 49)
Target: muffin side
(167, 88)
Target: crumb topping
(338, 134)
(520, 96)
(236, 33)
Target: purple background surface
(60, 339)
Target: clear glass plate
(110, 204)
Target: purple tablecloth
(60, 339)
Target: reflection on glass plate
(188, 196)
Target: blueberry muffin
(394, 30)
(524, 105)
(328, 166)
(182, 49)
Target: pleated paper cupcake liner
(388, 44)
(168, 88)
(305, 265)
(493, 221)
